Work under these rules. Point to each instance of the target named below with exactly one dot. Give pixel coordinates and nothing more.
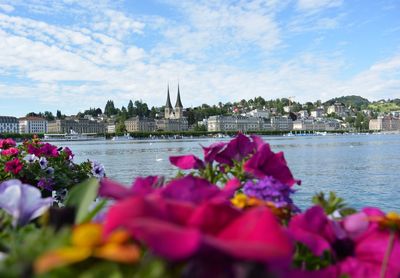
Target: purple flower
(272, 190)
(24, 202)
(98, 170)
(43, 162)
(50, 171)
(46, 184)
(267, 163)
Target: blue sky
(75, 54)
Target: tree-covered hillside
(353, 101)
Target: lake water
(363, 169)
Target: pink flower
(212, 151)
(14, 166)
(34, 149)
(7, 143)
(186, 162)
(226, 153)
(141, 186)
(178, 230)
(10, 152)
(188, 188)
(358, 244)
(313, 229)
(267, 163)
(68, 153)
(49, 150)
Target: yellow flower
(239, 201)
(87, 241)
(390, 220)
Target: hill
(353, 101)
(385, 106)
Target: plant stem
(388, 252)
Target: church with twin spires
(173, 120)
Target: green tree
(110, 108)
(120, 127)
(49, 116)
(130, 109)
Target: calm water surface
(364, 169)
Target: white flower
(31, 158)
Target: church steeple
(178, 100)
(168, 104)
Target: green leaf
(82, 196)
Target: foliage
(42, 165)
(227, 214)
(350, 101)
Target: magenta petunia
(141, 186)
(253, 235)
(267, 163)
(7, 143)
(236, 150)
(187, 162)
(49, 150)
(190, 189)
(13, 166)
(212, 151)
(10, 152)
(68, 153)
(358, 244)
(313, 229)
(34, 149)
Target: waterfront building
(8, 124)
(303, 114)
(258, 113)
(287, 109)
(234, 123)
(173, 120)
(333, 124)
(311, 124)
(384, 123)
(110, 128)
(337, 108)
(32, 125)
(281, 123)
(317, 113)
(136, 124)
(76, 126)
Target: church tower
(168, 106)
(178, 106)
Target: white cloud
(222, 28)
(315, 5)
(7, 8)
(97, 60)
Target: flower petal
(60, 257)
(186, 162)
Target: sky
(71, 55)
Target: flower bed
(229, 214)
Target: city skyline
(69, 54)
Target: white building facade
(32, 125)
(8, 124)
